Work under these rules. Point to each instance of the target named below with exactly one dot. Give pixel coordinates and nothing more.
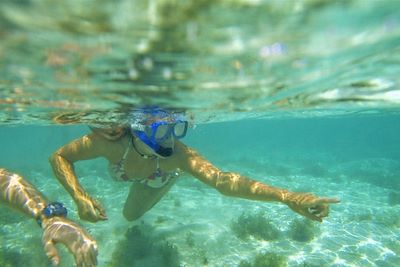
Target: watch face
(55, 209)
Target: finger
(321, 211)
(317, 208)
(90, 259)
(89, 217)
(95, 218)
(86, 256)
(327, 200)
(324, 212)
(92, 216)
(316, 218)
(101, 211)
(309, 215)
(313, 217)
(79, 261)
(98, 206)
(102, 216)
(305, 212)
(94, 253)
(92, 219)
(314, 210)
(99, 217)
(52, 253)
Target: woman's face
(167, 139)
(168, 142)
(159, 132)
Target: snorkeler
(149, 154)
(21, 195)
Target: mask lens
(161, 131)
(148, 130)
(180, 129)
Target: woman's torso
(125, 164)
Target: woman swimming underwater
(150, 155)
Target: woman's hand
(91, 210)
(75, 238)
(309, 205)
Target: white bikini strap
(127, 150)
(158, 163)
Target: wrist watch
(51, 210)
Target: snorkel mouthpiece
(164, 151)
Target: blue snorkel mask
(164, 126)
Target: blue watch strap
(53, 209)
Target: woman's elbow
(55, 159)
(225, 187)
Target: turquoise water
(355, 159)
(297, 94)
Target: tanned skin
(20, 195)
(111, 145)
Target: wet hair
(145, 116)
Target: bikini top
(155, 180)
(117, 170)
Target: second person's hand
(78, 241)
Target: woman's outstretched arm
(236, 185)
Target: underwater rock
(255, 225)
(266, 259)
(365, 216)
(161, 219)
(177, 203)
(311, 264)
(270, 259)
(141, 247)
(189, 238)
(390, 221)
(19, 247)
(394, 198)
(11, 259)
(314, 169)
(302, 230)
(379, 172)
(244, 263)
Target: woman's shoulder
(109, 133)
(95, 145)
